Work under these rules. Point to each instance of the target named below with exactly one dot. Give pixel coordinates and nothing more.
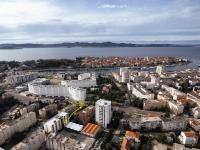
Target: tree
(162, 138)
(1, 91)
(144, 147)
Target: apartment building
(153, 83)
(80, 83)
(56, 123)
(122, 76)
(103, 112)
(140, 92)
(196, 112)
(174, 124)
(69, 140)
(174, 92)
(75, 93)
(19, 79)
(86, 114)
(151, 123)
(131, 139)
(18, 125)
(154, 104)
(51, 109)
(175, 107)
(159, 70)
(32, 142)
(195, 124)
(85, 76)
(188, 138)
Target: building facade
(154, 104)
(174, 124)
(80, 83)
(86, 114)
(18, 125)
(103, 112)
(32, 142)
(188, 138)
(141, 92)
(175, 107)
(75, 93)
(56, 123)
(18, 79)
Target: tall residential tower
(103, 112)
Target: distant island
(86, 44)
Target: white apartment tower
(103, 112)
(159, 70)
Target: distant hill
(85, 44)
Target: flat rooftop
(103, 102)
(74, 126)
(144, 119)
(74, 140)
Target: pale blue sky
(98, 20)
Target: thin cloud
(30, 20)
(113, 6)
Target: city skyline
(99, 20)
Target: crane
(78, 106)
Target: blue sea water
(191, 53)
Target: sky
(52, 21)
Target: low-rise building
(146, 123)
(85, 76)
(174, 124)
(185, 101)
(163, 95)
(174, 92)
(141, 92)
(131, 123)
(153, 83)
(154, 104)
(151, 123)
(21, 88)
(65, 140)
(91, 130)
(80, 83)
(188, 138)
(131, 139)
(195, 124)
(196, 112)
(175, 107)
(159, 146)
(74, 126)
(195, 96)
(177, 146)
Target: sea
(190, 53)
